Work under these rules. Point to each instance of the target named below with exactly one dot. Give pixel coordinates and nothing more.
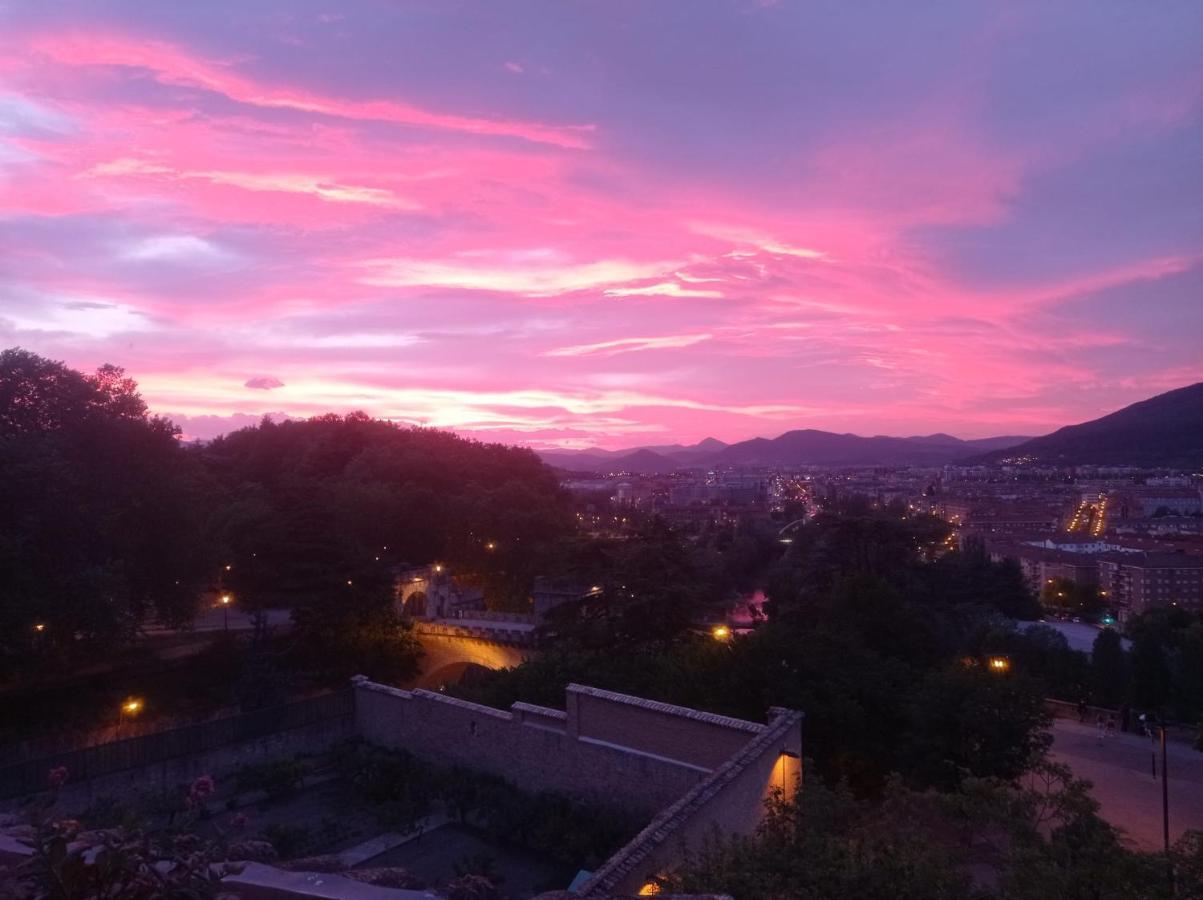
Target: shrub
(288, 840)
(276, 778)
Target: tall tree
(1109, 668)
(100, 512)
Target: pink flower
(68, 828)
(203, 787)
(57, 777)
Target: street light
(130, 707)
(999, 664)
(720, 632)
(225, 611)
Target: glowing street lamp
(1000, 665)
(130, 707)
(720, 632)
(40, 627)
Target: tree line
(109, 522)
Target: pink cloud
(172, 209)
(174, 66)
(630, 345)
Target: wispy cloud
(663, 289)
(536, 275)
(289, 183)
(174, 65)
(630, 345)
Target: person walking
(1111, 725)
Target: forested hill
(1165, 430)
(307, 505)
(108, 523)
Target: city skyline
(617, 227)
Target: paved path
(1120, 769)
(233, 619)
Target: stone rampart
(730, 800)
(690, 735)
(614, 755)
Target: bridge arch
(414, 604)
(447, 659)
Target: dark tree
(1109, 669)
(1150, 673)
(101, 512)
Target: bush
(276, 778)
(288, 840)
(109, 812)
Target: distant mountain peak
(1164, 430)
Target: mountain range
(1166, 430)
(803, 447)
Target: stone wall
(730, 800)
(501, 632)
(689, 735)
(609, 749)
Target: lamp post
(225, 612)
(131, 706)
(1165, 792)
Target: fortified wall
(690, 772)
(609, 749)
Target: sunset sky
(613, 223)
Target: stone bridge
(449, 656)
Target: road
(1079, 635)
(1129, 797)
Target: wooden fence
(30, 776)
